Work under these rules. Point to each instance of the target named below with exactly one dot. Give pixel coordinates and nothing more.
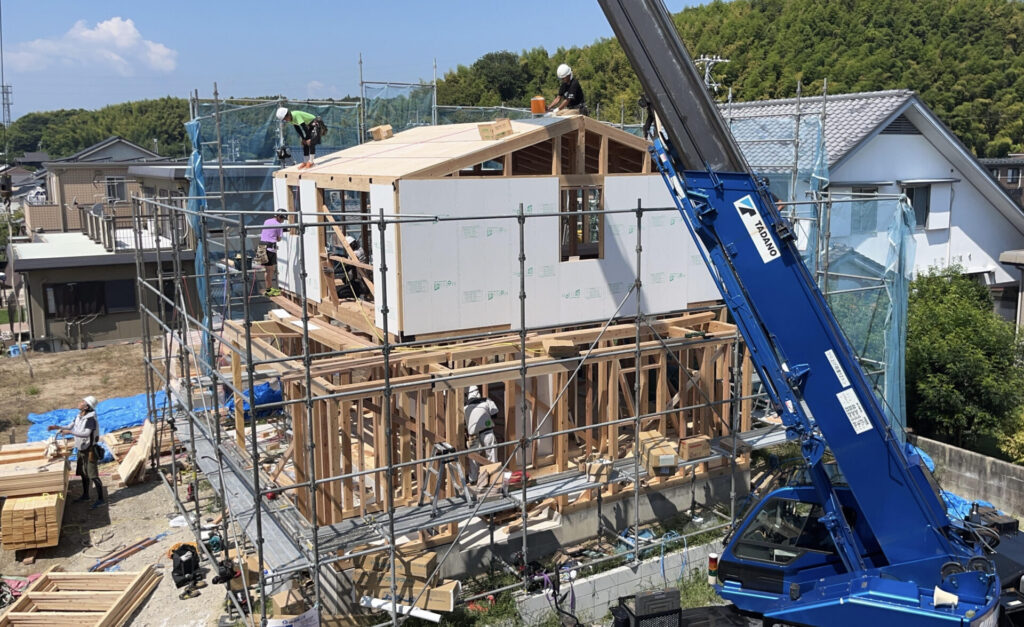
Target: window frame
(859, 210)
(1012, 175)
(120, 184)
(920, 214)
(588, 242)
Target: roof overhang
(949, 146)
(90, 261)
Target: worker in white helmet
(85, 430)
(570, 95)
(479, 413)
(310, 129)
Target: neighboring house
(464, 274)
(890, 142)
(81, 288)
(1007, 171)
(97, 174)
(33, 160)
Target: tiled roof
(849, 119)
(1002, 161)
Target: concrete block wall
(594, 595)
(977, 477)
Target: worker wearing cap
(266, 253)
(480, 429)
(85, 431)
(570, 94)
(309, 132)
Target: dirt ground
(133, 513)
(61, 379)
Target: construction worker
(266, 252)
(570, 94)
(480, 429)
(85, 430)
(309, 131)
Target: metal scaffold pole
(637, 373)
(388, 436)
(524, 439)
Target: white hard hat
(281, 112)
(474, 393)
(563, 71)
(280, 210)
(90, 401)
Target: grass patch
(32, 390)
(694, 591)
(19, 316)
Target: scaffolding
(332, 513)
(360, 414)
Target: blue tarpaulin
(111, 414)
(956, 506)
(264, 394)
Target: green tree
(965, 373)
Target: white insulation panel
(458, 275)
(289, 251)
(382, 197)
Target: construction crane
(871, 544)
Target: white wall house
(889, 142)
(453, 263)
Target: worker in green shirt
(309, 130)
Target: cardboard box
(496, 129)
(661, 461)
(412, 566)
(287, 603)
(439, 598)
(381, 132)
(599, 471)
(694, 448)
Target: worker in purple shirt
(266, 253)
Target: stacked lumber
(132, 468)
(58, 598)
(31, 522)
(26, 470)
(410, 566)
(118, 443)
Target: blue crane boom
(889, 540)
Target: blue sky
(61, 54)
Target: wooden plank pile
(102, 599)
(132, 468)
(31, 522)
(34, 480)
(121, 441)
(26, 470)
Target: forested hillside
(963, 56)
(64, 132)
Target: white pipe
(381, 604)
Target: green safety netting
(459, 115)
(249, 137)
(401, 105)
(859, 249)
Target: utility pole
(707, 63)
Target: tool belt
(261, 254)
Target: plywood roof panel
(423, 149)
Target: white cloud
(115, 44)
(314, 89)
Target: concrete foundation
(594, 595)
(472, 555)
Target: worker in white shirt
(479, 412)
